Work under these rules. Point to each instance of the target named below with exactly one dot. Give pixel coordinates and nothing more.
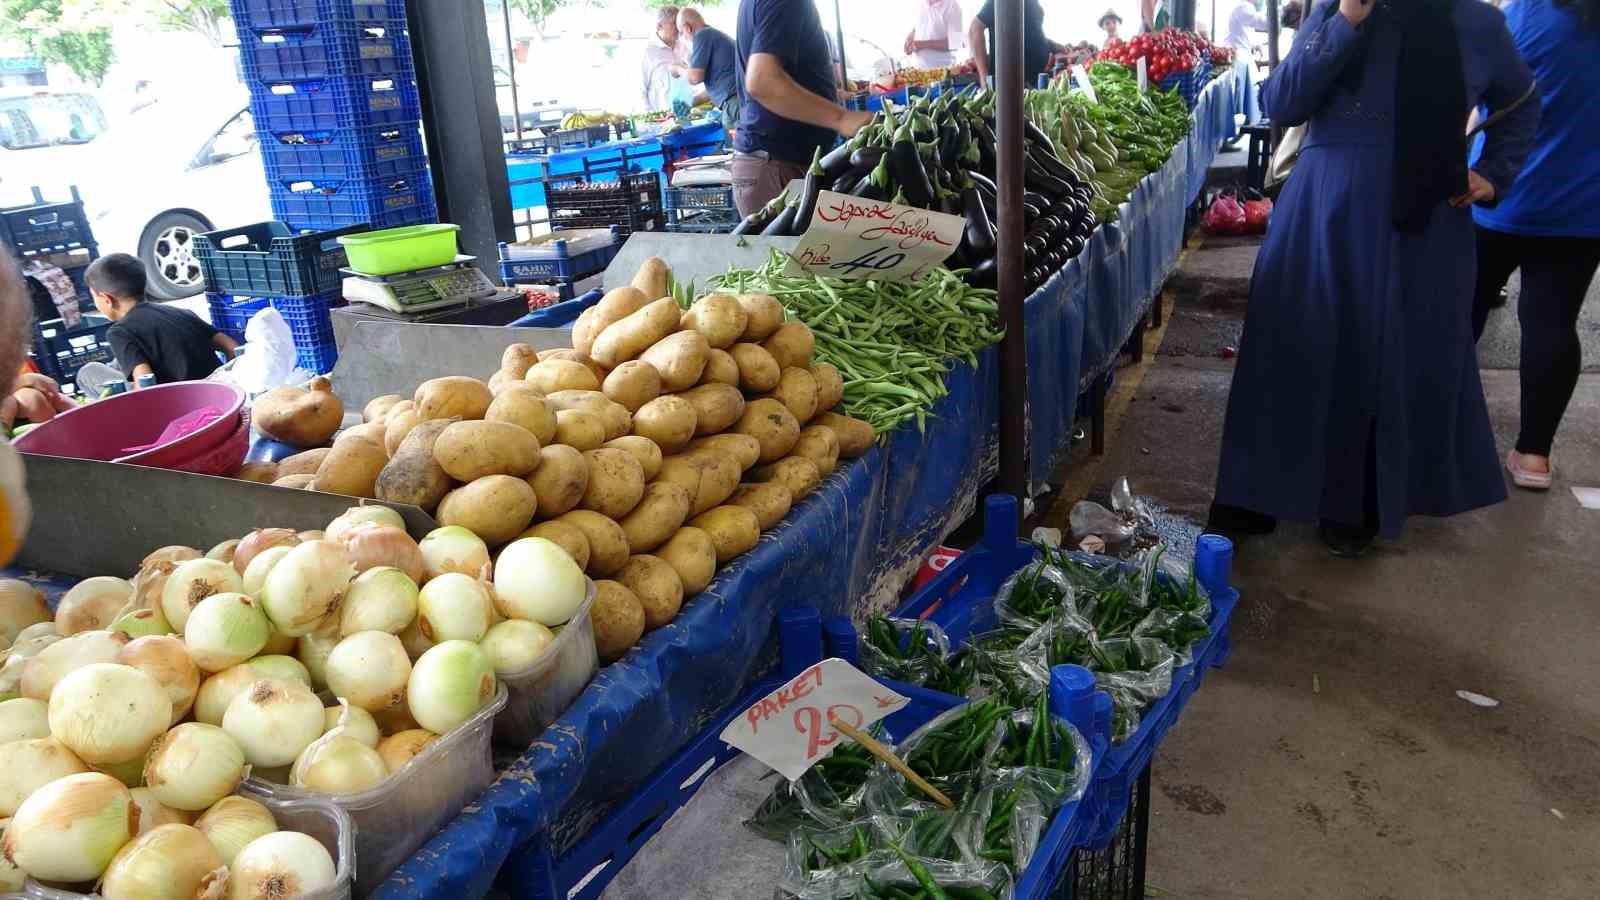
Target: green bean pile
(892, 341)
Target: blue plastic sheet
(1054, 318)
(1213, 124)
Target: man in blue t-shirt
(788, 107)
(712, 62)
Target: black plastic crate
(46, 227)
(60, 351)
(269, 258)
(626, 225)
(632, 202)
(1116, 871)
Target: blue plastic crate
(230, 316)
(60, 352)
(269, 258)
(328, 48)
(334, 102)
(308, 317)
(378, 151)
(271, 13)
(555, 263)
(874, 101)
(338, 203)
(318, 359)
(559, 315)
(46, 227)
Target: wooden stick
(884, 753)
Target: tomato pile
(1168, 52)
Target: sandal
(1527, 478)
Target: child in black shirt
(150, 338)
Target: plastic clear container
(395, 818)
(542, 692)
(330, 825)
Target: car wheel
(167, 250)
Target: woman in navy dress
(1356, 400)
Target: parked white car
(45, 140)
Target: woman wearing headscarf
(1356, 400)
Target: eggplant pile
(939, 154)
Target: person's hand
(1356, 11)
(44, 384)
(852, 121)
(1479, 190)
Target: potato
(563, 353)
(585, 329)
(378, 407)
(518, 358)
(501, 379)
(763, 315)
(708, 475)
(260, 472)
(560, 480)
(651, 279)
(632, 335)
(796, 473)
(720, 368)
(732, 529)
(468, 451)
(576, 399)
(553, 375)
(791, 345)
(659, 515)
(819, 444)
(716, 407)
(658, 587)
(744, 449)
(770, 502)
(618, 620)
(412, 474)
(855, 436)
(646, 451)
(372, 431)
(669, 421)
(691, 554)
(351, 468)
(305, 463)
(797, 389)
(615, 417)
(295, 482)
(608, 545)
(680, 358)
(616, 482)
(453, 395)
(303, 417)
(579, 428)
(717, 317)
(522, 406)
(771, 423)
(830, 385)
(758, 371)
(398, 424)
(565, 535)
(496, 508)
(633, 384)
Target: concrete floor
(1332, 756)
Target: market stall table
(527, 168)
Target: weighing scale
(456, 283)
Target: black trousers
(1556, 272)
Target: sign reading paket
(851, 237)
(790, 729)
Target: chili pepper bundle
(1033, 593)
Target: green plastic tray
(405, 249)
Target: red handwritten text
(850, 209)
(776, 702)
(908, 229)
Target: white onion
(338, 764)
(448, 685)
(130, 772)
(380, 599)
(33, 633)
(395, 720)
(535, 579)
(351, 721)
(312, 652)
(168, 862)
(225, 630)
(21, 605)
(55, 662)
(224, 551)
(166, 659)
(280, 865)
(360, 516)
(108, 713)
(92, 604)
(234, 822)
(172, 553)
(306, 586)
(138, 623)
(153, 813)
(193, 766)
(371, 546)
(273, 721)
(369, 669)
(11, 677)
(255, 574)
(30, 764)
(415, 642)
(515, 644)
(400, 748)
(22, 719)
(149, 583)
(312, 535)
(192, 582)
(70, 829)
(258, 541)
(454, 607)
(454, 549)
(11, 877)
(219, 690)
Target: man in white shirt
(659, 59)
(1245, 19)
(933, 43)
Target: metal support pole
(838, 35)
(511, 71)
(1009, 85)
(1272, 35)
(455, 76)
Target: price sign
(850, 237)
(1144, 75)
(788, 729)
(1080, 77)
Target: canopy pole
(838, 35)
(1009, 87)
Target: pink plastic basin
(223, 459)
(103, 428)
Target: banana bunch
(575, 120)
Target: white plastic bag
(267, 359)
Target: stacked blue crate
(334, 96)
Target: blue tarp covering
(1213, 124)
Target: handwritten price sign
(788, 729)
(850, 237)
